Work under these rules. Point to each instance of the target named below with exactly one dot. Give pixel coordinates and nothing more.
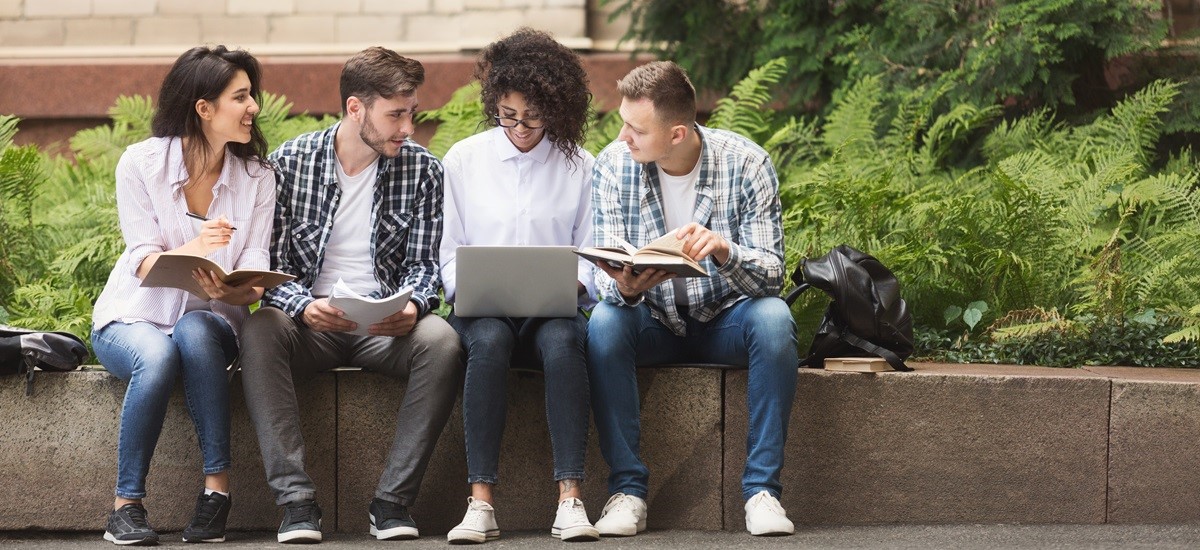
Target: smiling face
(514, 106)
(231, 117)
(387, 123)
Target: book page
(364, 310)
(668, 244)
(624, 244)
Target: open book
(366, 311)
(175, 271)
(665, 253)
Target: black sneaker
(301, 522)
(208, 523)
(390, 521)
(127, 525)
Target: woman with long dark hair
(527, 181)
(200, 186)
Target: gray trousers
(275, 347)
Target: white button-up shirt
(497, 195)
(153, 217)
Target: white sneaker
(571, 522)
(477, 526)
(623, 516)
(765, 516)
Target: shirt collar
(177, 170)
(505, 149)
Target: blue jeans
(757, 333)
(556, 344)
(201, 346)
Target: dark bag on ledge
(23, 350)
(867, 316)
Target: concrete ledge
(945, 444)
(1155, 427)
(60, 454)
(683, 453)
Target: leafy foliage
(1023, 54)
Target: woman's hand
(214, 235)
(240, 295)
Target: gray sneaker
(391, 521)
(127, 525)
(301, 523)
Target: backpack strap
(894, 360)
(796, 292)
(30, 362)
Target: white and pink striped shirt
(153, 217)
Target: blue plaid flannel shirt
(737, 197)
(406, 219)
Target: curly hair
(548, 74)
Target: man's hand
(240, 295)
(699, 242)
(396, 324)
(322, 317)
(631, 284)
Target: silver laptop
(516, 281)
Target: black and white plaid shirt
(406, 220)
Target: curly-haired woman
(206, 160)
(526, 181)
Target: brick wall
(74, 28)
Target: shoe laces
(764, 499)
(618, 502)
(207, 507)
(573, 509)
(301, 511)
(137, 516)
(477, 509)
(391, 510)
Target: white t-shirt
(348, 252)
(679, 207)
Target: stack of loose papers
(366, 311)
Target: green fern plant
(745, 109)
(461, 117)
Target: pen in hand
(204, 219)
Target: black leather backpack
(21, 350)
(867, 316)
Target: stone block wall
(310, 25)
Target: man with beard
(357, 203)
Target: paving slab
(892, 537)
(74, 463)
(943, 444)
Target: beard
(378, 143)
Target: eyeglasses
(533, 123)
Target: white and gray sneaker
(571, 522)
(765, 516)
(478, 525)
(623, 516)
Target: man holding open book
(359, 206)
(717, 192)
